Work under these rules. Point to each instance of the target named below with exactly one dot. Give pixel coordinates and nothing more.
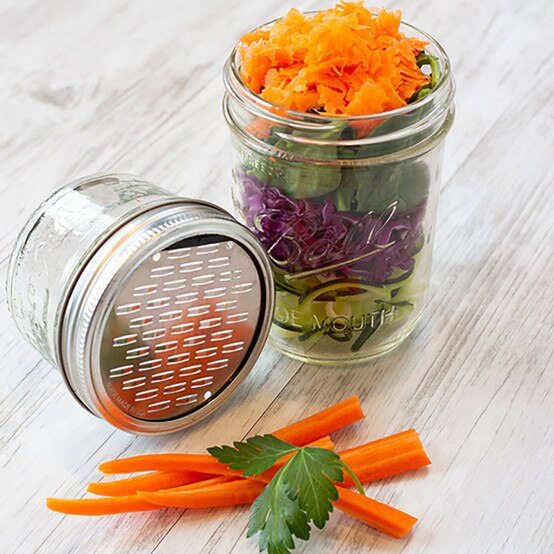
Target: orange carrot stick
(385, 457)
(233, 493)
(371, 461)
(200, 484)
(150, 482)
(301, 433)
(376, 459)
(100, 506)
(203, 463)
(244, 491)
(122, 504)
(323, 423)
(387, 519)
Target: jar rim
(235, 86)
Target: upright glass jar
(345, 207)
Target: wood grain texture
(136, 87)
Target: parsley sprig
(300, 493)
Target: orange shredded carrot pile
(341, 61)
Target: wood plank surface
(136, 87)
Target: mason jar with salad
(338, 120)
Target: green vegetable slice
(338, 285)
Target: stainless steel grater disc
(167, 318)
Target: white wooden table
(136, 87)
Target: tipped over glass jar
(345, 207)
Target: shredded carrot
(342, 61)
(387, 519)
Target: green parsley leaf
(254, 456)
(301, 491)
(277, 516)
(312, 472)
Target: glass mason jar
(345, 207)
(153, 307)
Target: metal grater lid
(167, 317)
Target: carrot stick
(244, 491)
(203, 463)
(301, 433)
(100, 506)
(233, 493)
(385, 457)
(200, 484)
(376, 459)
(120, 503)
(323, 423)
(387, 519)
(370, 461)
(150, 482)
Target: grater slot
(186, 298)
(157, 303)
(216, 292)
(218, 364)
(134, 383)
(159, 406)
(185, 400)
(201, 382)
(121, 371)
(128, 308)
(146, 290)
(210, 323)
(175, 284)
(178, 253)
(164, 271)
(141, 321)
(170, 316)
(189, 267)
(145, 395)
(190, 370)
(154, 334)
(162, 376)
(175, 388)
(222, 335)
(149, 365)
(181, 358)
(125, 340)
(182, 328)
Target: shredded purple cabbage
(302, 235)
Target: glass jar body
(345, 208)
(57, 241)
(351, 283)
